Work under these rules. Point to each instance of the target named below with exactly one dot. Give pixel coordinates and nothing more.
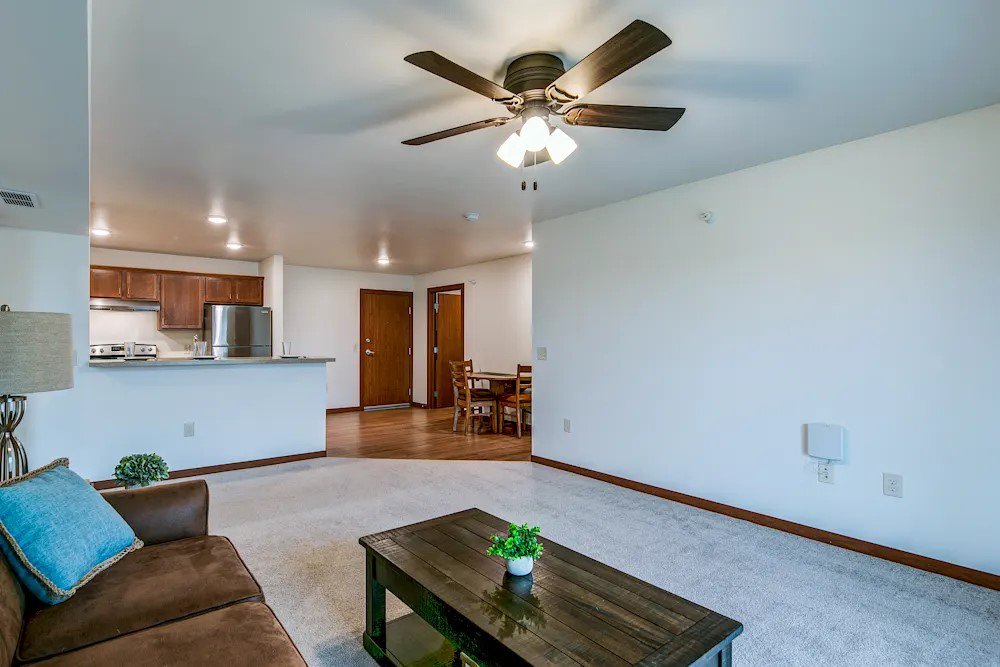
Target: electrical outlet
(567, 426)
(892, 485)
(543, 353)
(825, 473)
(188, 429)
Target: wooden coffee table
(573, 610)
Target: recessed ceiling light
(99, 231)
(233, 245)
(471, 216)
(217, 219)
(529, 244)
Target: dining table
(500, 383)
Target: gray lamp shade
(36, 352)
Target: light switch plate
(567, 426)
(188, 429)
(543, 353)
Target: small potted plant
(520, 547)
(141, 470)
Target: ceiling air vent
(15, 198)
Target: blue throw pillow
(58, 532)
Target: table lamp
(36, 354)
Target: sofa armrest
(165, 512)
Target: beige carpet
(801, 602)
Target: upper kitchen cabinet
(218, 289)
(248, 291)
(241, 290)
(106, 283)
(182, 298)
(142, 285)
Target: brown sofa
(185, 598)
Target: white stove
(117, 351)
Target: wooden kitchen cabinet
(218, 289)
(248, 291)
(240, 290)
(182, 298)
(182, 295)
(106, 283)
(142, 285)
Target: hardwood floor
(415, 433)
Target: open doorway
(445, 341)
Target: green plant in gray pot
(141, 470)
(520, 547)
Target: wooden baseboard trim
(414, 404)
(337, 411)
(925, 563)
(224, 467)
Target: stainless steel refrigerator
(238, 331)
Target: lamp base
(13, 460)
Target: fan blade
(446, 69)
(455, 131)
(636, 42)
(623, 117)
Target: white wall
(323, 318)
(273, 270)
(497, 316)
(856, 285)
(239, 413)
(165, 262)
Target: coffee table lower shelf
(412, 642)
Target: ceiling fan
(538, 86)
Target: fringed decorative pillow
(57, 532)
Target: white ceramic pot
(520, 566)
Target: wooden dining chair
(520, 400)
(470, 400)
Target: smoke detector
(15, 198)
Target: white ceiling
(288, 116)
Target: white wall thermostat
(826, 441)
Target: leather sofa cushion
(245, 634)
(159, 583)
(11, 612)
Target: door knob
(369, 353)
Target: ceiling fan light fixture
(535, 133)
(512, 151)
(560, 145)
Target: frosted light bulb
(560, 145)
(535, 133)
(512, 151)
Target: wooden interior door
(386, 347)
(449, 345)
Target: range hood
(121, 305)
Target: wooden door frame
(361, 343)
(431, 291)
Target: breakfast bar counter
(176, 362)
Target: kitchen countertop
(174, 362)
